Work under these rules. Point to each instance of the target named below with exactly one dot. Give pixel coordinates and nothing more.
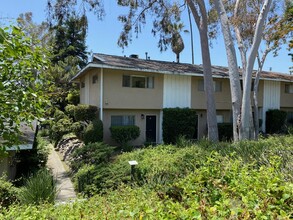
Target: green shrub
(181, 141)
(226, 188)
(39, 188)
(245, 180)
(225, 131)
(275, 121)
(69, 110)
(93, 153)
(78, 129)
(45, 124)
(178, 122)
(8, 193)
(123, 134)
(83, 180)
(73, 97)
(60, 128)
(58, 115)
(93, 132)
(221, 187)
(32, 160)
(44, 132)
(85, 113)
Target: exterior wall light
(132, 164)
(142, 116)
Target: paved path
(64, 185)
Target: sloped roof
(27, 137)
(127, 63)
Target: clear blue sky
(102, 36)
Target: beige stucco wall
(7, 167)
(94, 88)
(286, 98)
(118, 97)
(90, 94)
(82, 92)
(141, 123)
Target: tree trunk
(246, 102)
(255, 89)
(233, 67)
(209, 87)
(202, 24)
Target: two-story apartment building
(133, 91)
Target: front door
(151, 131)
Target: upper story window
(252, 85)
(122, 120)
(217, 85)
(95, 79)
(136, 81)
(289, 88)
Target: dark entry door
(151, 133)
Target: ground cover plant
(246, 180)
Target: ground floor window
(220, 118)
(122, 120)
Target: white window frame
(126, 120)
(216, 84)
(148, 81)
(289, 88)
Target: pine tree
(70, 40)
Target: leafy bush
(93, 153)
(8, 193)
(83, 181)
(221, 187)
(85, 113)
(225, 131)
(39, 188)
(123, 134)
(58, 115)
(227, 188)
(32, 160)
(69, 110)
(93, 132)
(60, 128)
(73, 97)
(78, 129)
(178, 122)
(181, 141)
(275, 121)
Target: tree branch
(194, 11)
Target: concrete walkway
(65, 189)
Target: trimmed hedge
(69, 110)
(225, 131)
(123, 134)
(275, 121)
(73, 97)
(93, 153)
(8, 193)
(178, 122)
(85, 113)
(93, 132)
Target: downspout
(101, 93)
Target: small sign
(132, 162)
